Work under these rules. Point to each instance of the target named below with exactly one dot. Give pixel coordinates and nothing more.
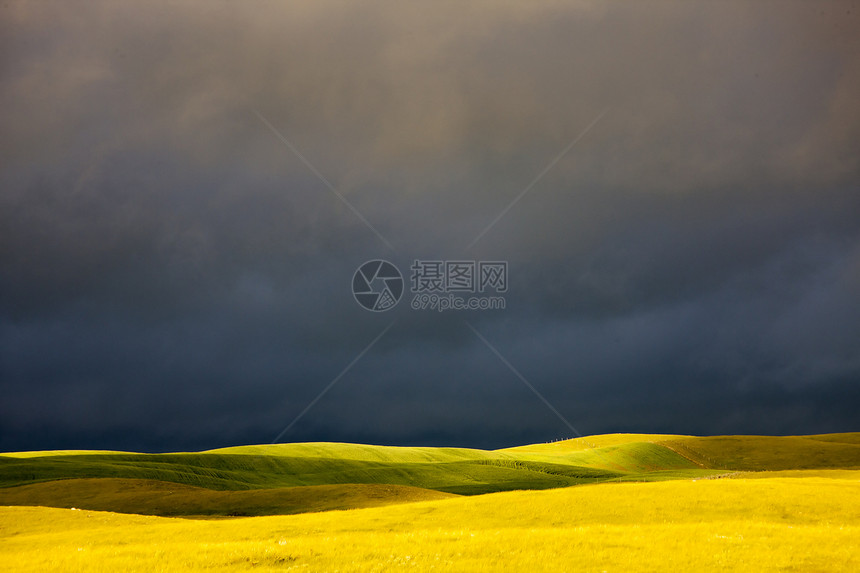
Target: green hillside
(768, 453)
(285, 478)
(480, 474)
(148, 497)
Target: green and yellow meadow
(744, 504)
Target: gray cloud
(173, 276)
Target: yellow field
(805, 522)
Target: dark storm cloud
(173, 276)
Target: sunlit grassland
(765, 524)
(451, 470)
(753, 503)
(562, 447)
(273, 479)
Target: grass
(245, 471)
(67, 477)
(769, 453)
(706, 504)
(765, 524)
(147, 497)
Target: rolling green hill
(769, 453)
(288, 478)
(147, 497)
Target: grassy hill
(147, 497)
(768, 453)
(479, 473)
(288, 478)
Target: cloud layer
(175, 276)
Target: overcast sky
(187, 188)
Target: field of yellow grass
(620, 502)
(801, 523)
